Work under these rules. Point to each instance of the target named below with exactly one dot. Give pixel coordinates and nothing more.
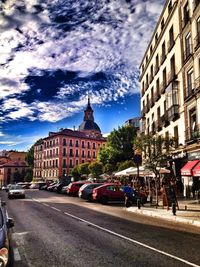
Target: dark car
(58, 187)
(109, 192)
(51, 186)
(6, 251)
(85, 190)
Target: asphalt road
(56, 230)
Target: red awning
(188, 167)
(196, 170)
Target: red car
(73, 187)
(108, 192)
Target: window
(190, 79)
(88, 154)
(64, 163)
(64, 142)
(162, 24)
(94, 145)
(188, 46)
(156, 38)
(71, 153)
(197, 38)
(186, 14)
(170, 7)
(88, 144)
(163, 53)
(76, 162)
(171, 38)
(83, 144)
(176, 136)
(70, 142)
(64, 151)
(76, 152)
(77, 143)
(151, 49)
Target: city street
(57, 230)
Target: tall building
(57, 154)
(170, 80)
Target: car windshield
(14, 187)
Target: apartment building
(57, 154)
(169, 78)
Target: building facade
(11, 162)
(170, 80)
(58, 153)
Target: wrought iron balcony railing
(192, 135)
(173, 112)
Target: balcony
(197, 84)
(156, 69)
(152, 102)
(173, 112)
(157, 95)
(164, 119)
(171, 76)
(158, 125)
(197, 41)
(189, 92)
(163, 85)
(162, 58)
(153, 128)
(192, 135)
(195, 4)
(187, 53)
(170, 45)
(185, 20)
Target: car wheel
(104, 200)
(90, 199)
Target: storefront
(187, 173)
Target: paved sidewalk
(188, 212)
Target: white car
(16, 191)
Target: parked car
(85, 191)
(58, 187)
(64, 189)
(51, 186)
(16, 191)
(73, 187)
(6, 251)
(108, 192)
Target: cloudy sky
(53, 52)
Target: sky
(53, 53)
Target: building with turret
(59, 152)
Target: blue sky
(53, 52)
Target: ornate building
(58, 153)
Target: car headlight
(3, 257)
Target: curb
(168, 217)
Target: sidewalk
(188, 212)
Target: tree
(156, 151)
(28, 175)
(83, 169)
(126, 164)
(30, 153)
(108, 168)
(17, 177)
(75, 173)
(96, 168)
(119, 146)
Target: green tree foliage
(96, 168)
(108, 168)
(119, 146)
(30, 153)
(83, 169)
(28, 175)
(75, 173)
(124, 165)
(155, 149)
(17, 177)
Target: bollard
(174, 208)
(138, 203)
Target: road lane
(48, 236)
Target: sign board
(137, 159)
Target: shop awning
(196, 170)
(187, 169)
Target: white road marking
(128, 239)
(16, 254)
(55, 209)
(45, 204)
